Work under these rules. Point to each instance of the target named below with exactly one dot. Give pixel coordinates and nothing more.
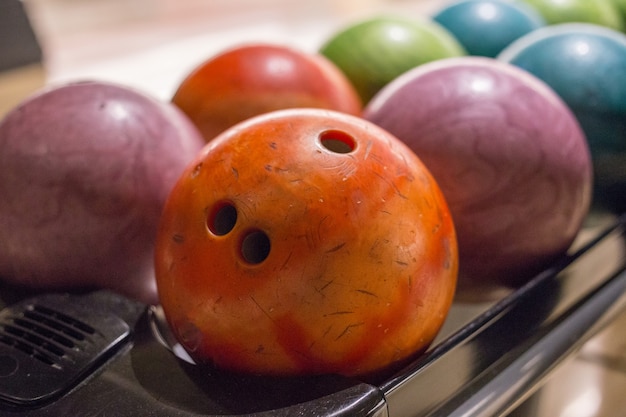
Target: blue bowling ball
(585, 64)
(485, 27)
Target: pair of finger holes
(254, 246)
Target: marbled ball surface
(509, 156)
(85, 169)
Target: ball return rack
(98, 353)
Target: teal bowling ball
(586, 65)
(372, 52)
(486, 27)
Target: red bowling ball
(252, 79)
(509, 156)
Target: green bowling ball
(599, 12)
(373, 52)
(621, 7)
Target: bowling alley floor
(151, 43)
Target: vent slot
(56, 340)
(32, 327)
(52, 321)
(35, 340)
(29, 350)
(37, 337)
(45, 334)
(85, 328)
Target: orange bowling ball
(306, 242)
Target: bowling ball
(485, 27)
(600, 12)
(621, 7)
(374, 51)
(508, 155)
(85, 169)
(251, 79)
(586, 65)
(306, 241)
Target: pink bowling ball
(509, 156)
(85, 169)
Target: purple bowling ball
(509, 156)
(85, 169)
